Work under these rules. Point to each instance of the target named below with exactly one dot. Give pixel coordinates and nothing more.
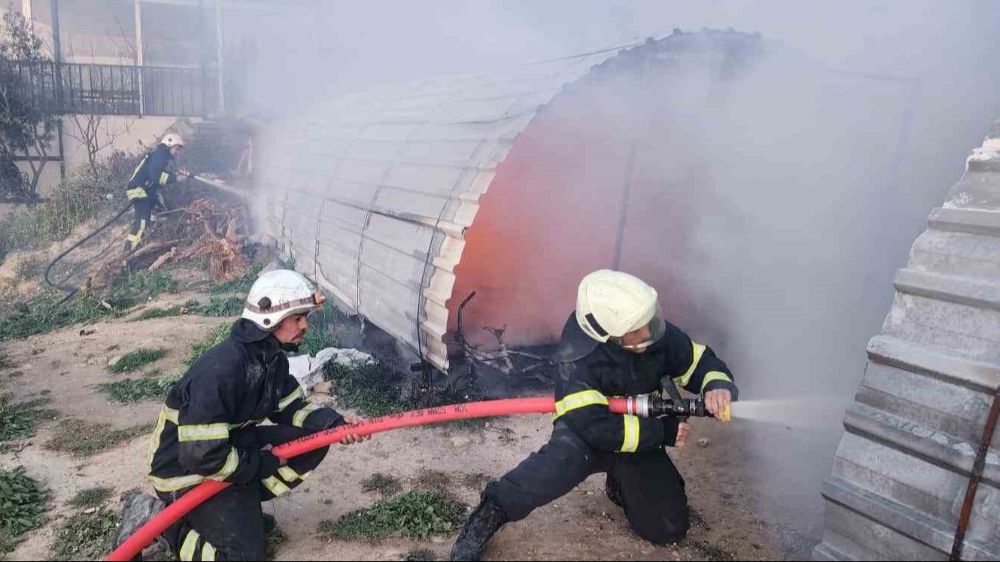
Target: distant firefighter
(144, 188)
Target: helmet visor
(644, 337)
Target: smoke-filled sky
(799, 248)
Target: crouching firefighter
(615, 344)
(150, 175)
(209, 429)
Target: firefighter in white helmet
(616, 343)
(150, 175)
(209, 428)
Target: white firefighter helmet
(610, 304)
(278, 294)
(172, 140)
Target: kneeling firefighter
(615, 344)
(209, 428)
(150, 175)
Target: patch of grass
(220, 307)
(17, 421)
(190, 307)
(373, 389)
(85, 536)
(82, 197)
(368, 388)
(383, 484)
(319, 337)
(151, 313)
(420, 555)
(5, 361)
(241, 285)
(213, 339)
(83, 439)
(130, 391)
(135, 360)
(42, 317)
(132, 288)
(91, 497)
(23, 504)
(414, 515)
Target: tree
(27, 128)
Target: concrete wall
(901, 471)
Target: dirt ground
(585, 525)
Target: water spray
(221, 186)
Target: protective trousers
(230, 525)
(648, 484)
(143, 209)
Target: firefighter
(144, 188)
(614, 344)
(209, 429)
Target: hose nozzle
(652, 407)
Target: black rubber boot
(484, 522)
(139, 508)
(614, 491)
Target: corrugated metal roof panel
(372, 193)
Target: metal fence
(115, 89)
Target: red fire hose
(157, 525)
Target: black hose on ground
(69, 290)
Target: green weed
(17, 421)
(132, 288)
(130, 391)
(220, 307)
(23, 321)
(137, 359)
(91, 498)
(23, 504)
(241, 285)
(414, 515)
(85, 439)
(319, 337)
(213, 339)
(86, 536)
(367, 387)
(80, 198)
(151, 313)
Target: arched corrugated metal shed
(381, 224)
(901, 471)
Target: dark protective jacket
(151, 174)
(235, 385)
(590, 372)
